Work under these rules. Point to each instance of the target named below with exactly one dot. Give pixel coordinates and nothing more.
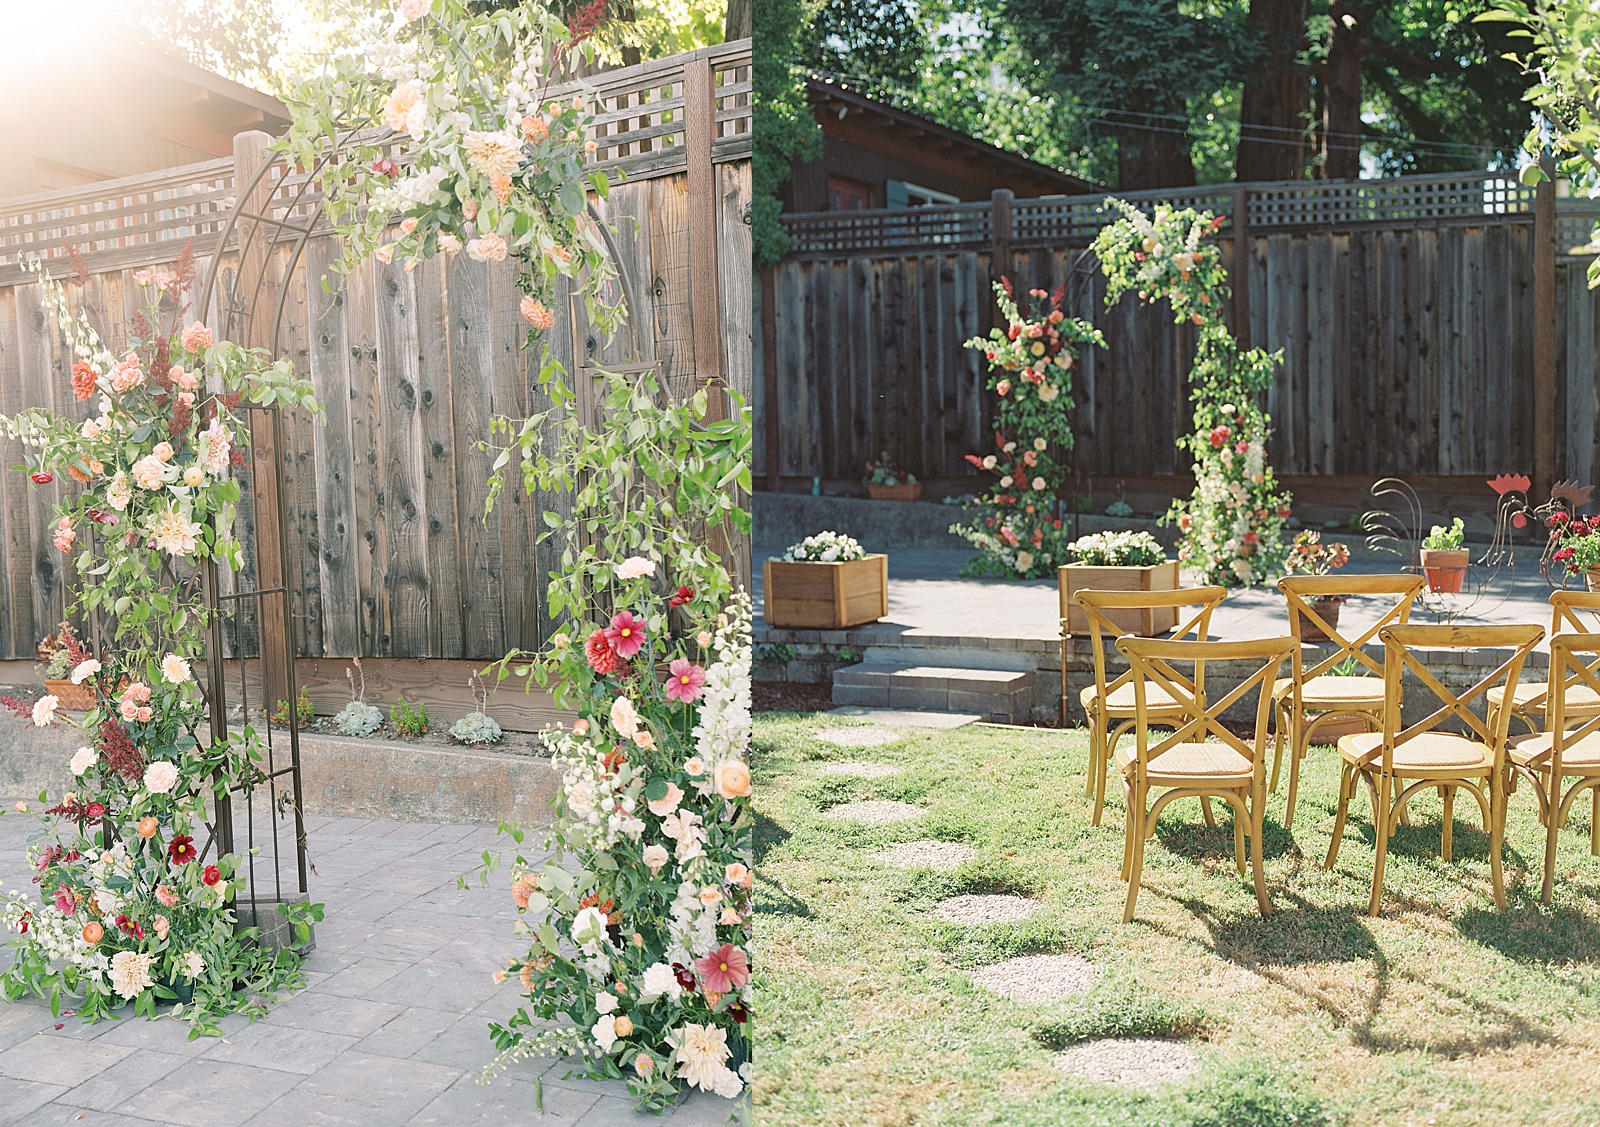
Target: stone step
(999, 695)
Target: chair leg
(1127, 825)
(1096, 736)
(1296, 753)
(1257, 820)
(1448, 795)
(1381, 817)
(1205, 807)
(1594, 825)
(1101, 769)
(1136, 860)
(1277, 744)
(1346, 788)
(1550, 842)
(1497, 835)
(1238, 839)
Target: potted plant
(58, 655)
(1310, 556)
(1119, 561)
(1576, 543)
(886, 481)
(1444, 560)
(826, 582)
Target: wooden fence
(1407, 311)
(391, 554)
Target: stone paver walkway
(392, 1028)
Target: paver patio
(392, 1027)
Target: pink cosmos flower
(687, 681)
(626, 634)
(724, 970)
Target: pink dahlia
(626, 634)
(686, 681)
(724, 970)
(602, 657)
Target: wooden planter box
(1146, 623)
(895, 492)
(826, 596)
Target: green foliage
(305, 712)
(1446, 539)
(409, 721)
(783, 128)
(476, 729)
(1256, 1094)
(1120, 1007)
(776, 653)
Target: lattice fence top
(146, 219)
(1287, 205)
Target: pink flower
(65, 535)
(196, 338)
(167, 897)
(626, 634)
(145, 713)
(408, 224)
(138, 691)
(66, 903)
(724, 970)
(687, 681)
(129, 710)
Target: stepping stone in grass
(867, 736)
(875, 812)
(859, 770)
(1130, 1062)
(941, 856)
(987, 908)
(1039, 978)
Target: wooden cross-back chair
(1317, 689)
(1551, 757)
(1400, 760)
(1202, 757)
(1530, 703)
(1108, 702)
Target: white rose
(589, 926)
(83, 759)
(605, 1033)
(660, 981)
(85, 670)
(160, 776)
(44, 710)
(604, 1002)
(635, 568)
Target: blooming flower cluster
(825, 547)
(480, 160)
(1310, 555)
(1031, 361)
(1118, 549)
(645, 951)
(1233, 523)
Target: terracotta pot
(1446, 569)
(895, 492)
(1327, 608)
(73, 698)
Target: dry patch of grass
(1444, 1012)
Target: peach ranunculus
(162, 450)
(537, 314)
(732, 779)
(398, 108)
(656, 857)
(738, 874)
(196, 338)
(488, 248)
(669, 802)
(535, 128)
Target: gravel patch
(940, 855)
(870, 736)
(1039, 978)
(859, 770)
(875, 812)
(986, 909)
(1131, 1062)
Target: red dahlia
(602, 657)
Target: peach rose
(732, 779)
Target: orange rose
(148, 827)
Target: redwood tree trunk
(1152, 159)
(1272, 118)
(1341, 101)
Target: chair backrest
(1564, 608)
(1096, 603)
(1300, 590)
(1150, 662)
(1400, 644)
(1574, 659)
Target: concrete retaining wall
(340, 777)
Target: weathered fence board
(1405, 316)
(391, 555)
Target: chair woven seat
(1186, 762)
(1581, 757)
(1120, 699)
(1323, 693)
(1430, 751)
(1581, 700)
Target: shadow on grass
(772, 899)
(1196, 841)
(1531, 933)
(768, 836)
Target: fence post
(769, 372)
(1000, 234)
(255, 288)
(1241, 266)
(1544, 332)
(699, 130)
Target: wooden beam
(699, 133)
(769, 371)
(1241, 266)
(1000, 236)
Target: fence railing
(1285, 206)
(640, 124)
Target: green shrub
(409, 721)
(1119, 1007)
(304, 712)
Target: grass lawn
(1444, 1011)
